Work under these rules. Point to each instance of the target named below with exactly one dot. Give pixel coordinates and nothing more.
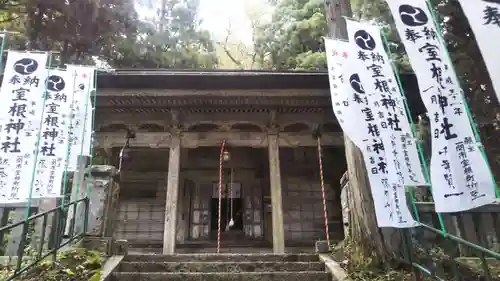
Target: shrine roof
(216, 79)
(236, 80)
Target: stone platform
(221, 267)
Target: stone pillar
(102, 187)
(78, 191)
(276, 200)
(14, 237)
(169, 234)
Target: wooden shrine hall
(174, 124)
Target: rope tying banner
(323, 190)
(220, 193)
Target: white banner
(386, 105)
(21, 106)
(53, 149)
(484, 19)
(389, 209)
(460, 176)
(389, 196)
(336, 56)
(81, 135)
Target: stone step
(242, 276)
(220, 266)
(223, 258)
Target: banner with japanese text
(81, 132)
(460, 176)
(53, 150)
(385, 103)
(484, 19)
(389, 211)
(21, 109)
(336, 56)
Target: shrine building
(175, 123)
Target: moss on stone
(72, 265)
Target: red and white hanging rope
(320, 159)
(220, 193)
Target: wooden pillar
(172, 196)
(276, 199)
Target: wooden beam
(193, 140)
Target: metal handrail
(60, 213)
(7, 227)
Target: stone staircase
(222, 267)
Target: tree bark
(34, 21)
(366, 238)
(367, 241)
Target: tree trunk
(366, 238)
(367, 242)
(34, 13)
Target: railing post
(15, 236)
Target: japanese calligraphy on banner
(336, 56)
(385, 106)
(54, 135)
(484, 19)
(20, 116)
(390, 210)
(459, 174)
(81, 133)
(389, 196)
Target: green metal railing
(59, 214)
(450, 256)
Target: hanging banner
(81, 133)
(484, 19)
(460, 176)
(336, 56)
(386, 105)
(388, 195)
(21, 107)
(53, 149)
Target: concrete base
(101, 244)
(247, 276)
(222, 267)
(338, 273)
(322, 247)
(109, 267)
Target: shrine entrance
(231, 224)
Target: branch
(10, 19)
(226, 50)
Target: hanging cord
(327, 232)
(227, 210)
(220, 193)
(230, 192)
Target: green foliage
(110, 31)
(293, 39)
(72, 265)
(173, 40)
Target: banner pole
(80, 172)
(61, 221)
(2, 48)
